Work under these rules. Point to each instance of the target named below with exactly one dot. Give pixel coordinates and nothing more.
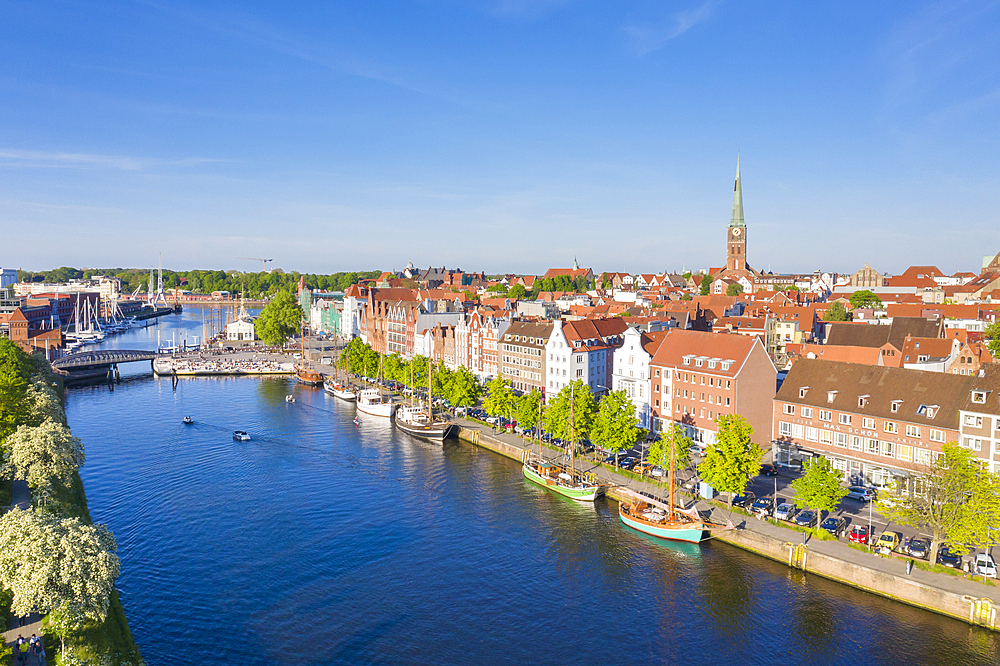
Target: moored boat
(371, 401)
(556, 477)
(308, 376)
(339, 390)
(660, 522)
(415, 421)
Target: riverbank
(953, 596)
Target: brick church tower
(736, 237)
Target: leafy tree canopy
(992, 337)
(526, 412)
(614, 427)
(865, 298)
(500, 398)
(279, 320)
(45, 454)
(819, 488)
(517, 291)
(836, 312)
(734, 289)
(659, 451)
(733, 459)
(706, 285)
(570, 414)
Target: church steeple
(737, 219)
(576, 266)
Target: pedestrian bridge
(91, 359)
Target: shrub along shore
(53, 559)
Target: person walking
(22, 649)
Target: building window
(789, 409)
(894, 406)
(904, 452)
(844, 419)
(973, 443)
(784, 429)
(862, 400)
(937, 435)
(798, 431)
(924, 456)
(868, 423)
(973, 421)
(841, 440)
(830, 395)
(912, 431)
(807, 412)
(812, 434)
(826, 436)
(825, 415)
(872, 447)
(803, 391)
(979, 397)
(887, 449)
(890, 426)
(855, 443)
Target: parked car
(888, 540)
(627, 463)
(985, 566)
(785, 511)
(610, 460)
(657, 471)
(763, 506)
(768, 470)
(919, 548)
(861, 494)
(834, 525)
(493, 420)
(858, 534)
(806, 518)
(744, 500)
(948, 558)
(644, 468)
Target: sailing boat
(420, 422)
(666, 522)
(371, 401)
(304, 372)
(344, 392)
(556, 477)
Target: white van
(985, 566)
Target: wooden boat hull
(692, 533)
(437, 432)
(586, 494)
(309, 378)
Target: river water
(322, 542)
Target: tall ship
(563, 479)
(304, 372)
(420, 421)
(663, 520)
(332, 385)
(373, 401)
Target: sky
(498, 135)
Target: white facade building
(631, 373)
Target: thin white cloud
(41, 159)
(649, 36)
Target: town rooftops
(705, 352)
(911, 396)
(877, 335)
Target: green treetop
(279, 320)
(958, 502)
(615, 427)
(500, 398)
(557, 417)
(819, 488)
(734, 289)
(659, 451)
(526, 413)
(706, 285)
(836, 312)
(992, 337)
(865, 298)
(733, 459)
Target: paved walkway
(839, 549)
(20, 497)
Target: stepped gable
(882, 386)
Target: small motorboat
(357, 421)
(188, 420)
(289, 398)
(241, 436)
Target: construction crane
(262, 261)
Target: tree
(992, 337)
(734, 289)
(733, 459)
(615, 428)
(659, 451)
(464, 388)
(279, 320)
(865, 298)
(706, 284)
(499, 398)
(686, 297)
(836, 312)
(15, 370)
(570, 414)
(957, 500)
(498, 288)
(819, 488)
(49, 563)
(45, 454)
(526, 412)
(517, 292)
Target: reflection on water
(323, 542)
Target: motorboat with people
(289, 398)
(241, 436)
(188, 420)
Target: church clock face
(737, 232)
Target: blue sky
(498, 135)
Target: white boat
(241, 436)
(339, 390)
(371, 401)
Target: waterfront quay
(955, 596)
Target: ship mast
(430, 392)
(572, 434)
(670, 474)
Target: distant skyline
(498, 135)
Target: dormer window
(711, 364)
(927, 410)
(863, 400)
(894, 406)
(698, 362)
(726, 365)
(687, 360)
(831, 396)
(803, 391)
(979, 397)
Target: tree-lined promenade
(53, 560)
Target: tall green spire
(737, 219)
